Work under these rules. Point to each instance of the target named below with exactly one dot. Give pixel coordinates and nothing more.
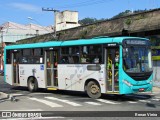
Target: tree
(122, 14)
(88, 20)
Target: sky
(19, 10)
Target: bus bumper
(127, 89)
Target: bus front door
(51, 57)
(15, 66)
(112, 69)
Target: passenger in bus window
(64, 60)
(8, 60)
(84, 58)
(96, 60)
(24, 60)
(70, 59)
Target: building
(10, 32)
(66, 19)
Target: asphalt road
(67, 102)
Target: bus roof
(97, 40)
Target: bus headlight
(127, 83)
(150, 82)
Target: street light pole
(30, 18)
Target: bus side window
(64, 60)
(76, 59)
(70, 59)
(24, 60)
(8, 57)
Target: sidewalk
(3, 96)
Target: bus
(101, 65)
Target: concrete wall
(67, 16)
(66, 20)
(64, 26)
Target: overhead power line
(83, 4)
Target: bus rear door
(112, 69)
(51, 59)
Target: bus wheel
(93, 90)
(32, 84)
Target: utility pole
(55, 12)
(1, 60)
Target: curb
(3, 96)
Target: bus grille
(140, 76)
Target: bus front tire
(32, 84)
(93, 90)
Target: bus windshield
(137, 59)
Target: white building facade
(10, 32)
(66, 19)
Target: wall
(66, 20)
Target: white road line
(16, 94)
(155, 99)
(132, 102)
(64, 101)
(40, 93)
(145, 101)
(107, 101)
(51, 104)
(93, 103)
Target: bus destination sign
(136, 42)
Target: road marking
(16, 94)
(132, 102)
(156, 99)
(144, 101)
(107, 101)
(41, 93)
(93, 103)
(64, 101)
(51, 104)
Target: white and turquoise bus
(118, 65)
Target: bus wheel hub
(94, 89)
